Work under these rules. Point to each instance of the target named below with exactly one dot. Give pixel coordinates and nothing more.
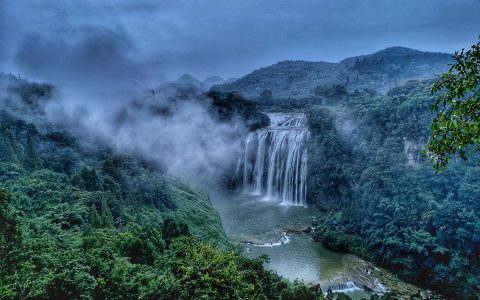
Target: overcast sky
(150, 41)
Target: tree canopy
(456, 127)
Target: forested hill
(380, 71)
(368, 125)
(90, 223)
(386, 203)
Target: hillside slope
(380, 71)
(82, 222)
(135, 189)
(384, 201)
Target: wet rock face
(412, 150)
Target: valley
(215, 192)
(265, 217)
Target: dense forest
(284, 150)
(384, 202)
(83, 223)
(76, 222)
(380, 71)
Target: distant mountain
(179, 89)
(206, 84)
(187, 84)
(380, 71)
(187, 78)
(211, 81)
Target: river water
(259, 227)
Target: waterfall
(274, 160)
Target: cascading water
(274, 161)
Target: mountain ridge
(380, 71)
(189, 82)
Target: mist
(103, 91)
(105, 59)
(183, 134)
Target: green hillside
(84, 222)
(380, 71)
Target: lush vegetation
(42, 260)
(456, 128)
(229, 105)
(366, 166)
(367, 170)
(302, 79)
(81, 223)
(385, 203)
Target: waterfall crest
(274, 161)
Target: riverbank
(285, 234)
(367, 274)
(350, 274)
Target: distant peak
(211, 81)
(187, 77)
(396, 52)
(398, 48)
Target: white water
(274, 161)
(285, 239)
(344, 287)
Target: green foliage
(135, 264)
(76, 224)
(95, 219)
(106, 214)
(230, 104)
(64, 139)
(205, 273)
(385, 204)
(456, 127)
(142, 245)
(63, 188)
(9, 233)
(334, 91)
(90, 179)
(299, 291)
(31, 93)
(172, 229)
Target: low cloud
(184, 134)
(95, 64)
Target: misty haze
(240, 149)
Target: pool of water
(300, 258)
(259, 227)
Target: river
(259, 227)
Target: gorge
(268, 213)
(332, 188)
